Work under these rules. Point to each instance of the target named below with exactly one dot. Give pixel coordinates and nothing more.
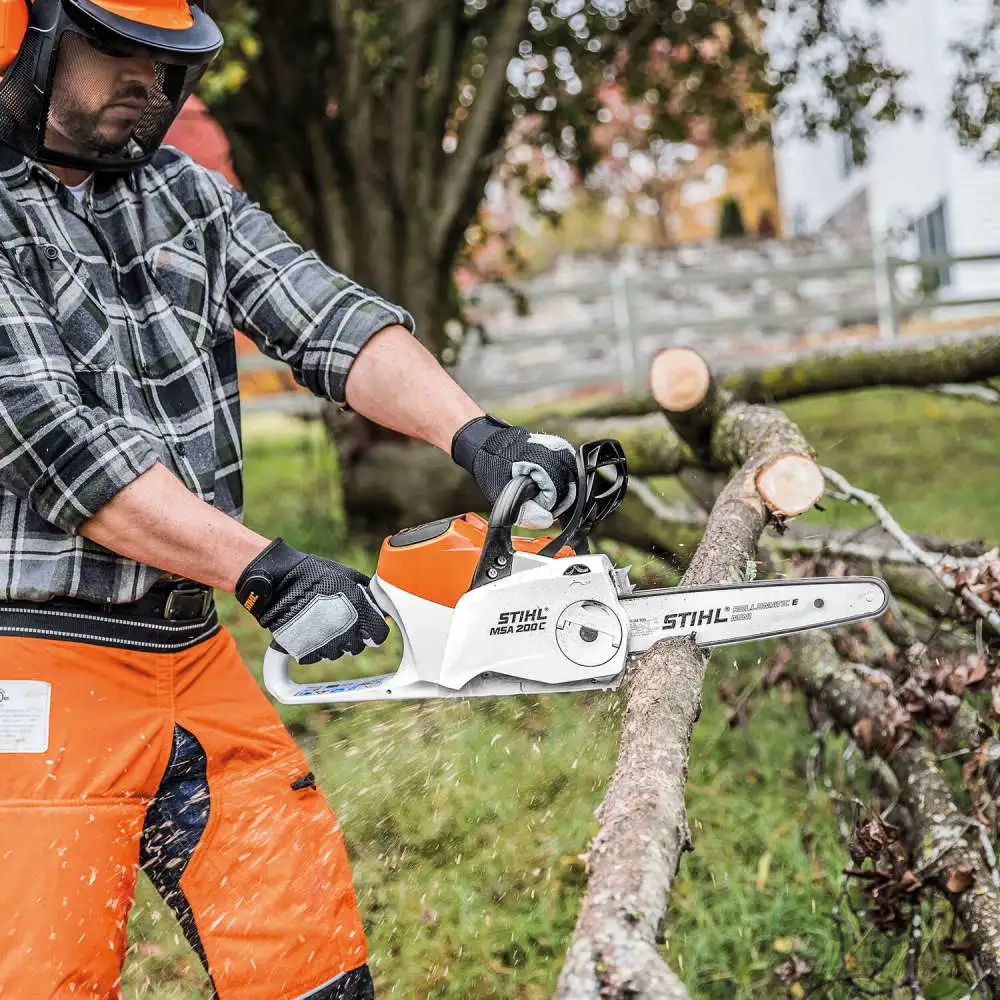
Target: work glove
(315, 608)
(495, 453)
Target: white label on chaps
(24, 716)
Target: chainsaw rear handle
(277, 677)
(278, 664)
(601, 485)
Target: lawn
(465, 821)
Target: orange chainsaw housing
(437, 561)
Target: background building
(920, 191)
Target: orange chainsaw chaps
(441, 568)
(269, 884)
(68, 876)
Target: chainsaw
(484, 612)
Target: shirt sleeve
(62, 457)
(294, 307)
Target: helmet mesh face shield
(98, 93)
(122, 114)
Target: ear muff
(13, 25)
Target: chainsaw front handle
(497, 557)
(279, 683)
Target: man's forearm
(158, 521)
(396, 382)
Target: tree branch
(488, 104)
(939, 833)
(935, 564)
(418, 17)
(910, 362)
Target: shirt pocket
(180, 271)
(61, 279)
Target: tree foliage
(371, 129)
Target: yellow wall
(752, 180)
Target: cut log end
(679, 379)
(791, 484)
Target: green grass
(934, 459)
(465, 820)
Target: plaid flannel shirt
(117, 351)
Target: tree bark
(967, 358)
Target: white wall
(913, 165)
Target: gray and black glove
(495, 453)
(315, 608)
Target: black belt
(176, 601)
(172, 616)
(181, 601)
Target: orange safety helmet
(178, 36)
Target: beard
(79, 129)
(83, 131)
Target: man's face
(97, 98)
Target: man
(130, 732)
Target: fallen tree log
(399, 484)
(725, 433)
(919, 362)
(635, 856)
(908, 362)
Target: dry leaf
(862, 733)
(870, 837)
(978, 671)
(959, 879)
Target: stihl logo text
(692, 619)
(511, 622)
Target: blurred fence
(597, 322)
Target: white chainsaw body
(512, 632)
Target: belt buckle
(187, 604)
